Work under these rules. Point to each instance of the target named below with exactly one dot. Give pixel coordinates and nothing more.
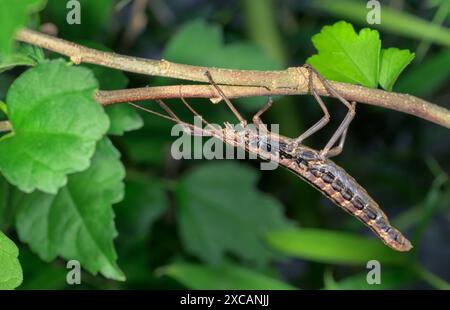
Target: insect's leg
(173, 117)
(329, 150)
(227, 101)
(338, 149)
(193, 130)
(345, 123)
(325, 118)
(190, 108)
(257, 117)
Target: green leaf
(78, 222)
(13, 15)
(220, 209)
(332, 247)
(56, 124)
(10, 271)
(123, 118)
(25, 55)
(345, 56)
(225, 277)
(393, 62)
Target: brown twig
(5, 126)
(292, 81)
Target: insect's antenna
(190, 108)
(176, 119)
(194, 129)
(330, 89)
(341, 132)
(169, 111)
(225, 98)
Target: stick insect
(311, 165)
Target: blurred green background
(228, 225)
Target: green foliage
(145, 201)
(122, 117)
(206, 209)
(39, 274)
(13, 16)
(226, 277)
(205, 226)
(4, 187)
(78, 222)
(10, 271)
(207, 40)
(56, 124)
(393, 61)
(345, 56)
(25, 55)
(332, 247)
(206, 48)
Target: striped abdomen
(344, 191)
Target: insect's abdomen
(345, 192)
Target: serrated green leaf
(220, 210)
(332, 247)
(226, 277)
(345, 56)
(393, 62)
(10, 271)
(78, 222)
(56, 124)
(13, 15)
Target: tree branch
(292, 81)
(5, 126)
